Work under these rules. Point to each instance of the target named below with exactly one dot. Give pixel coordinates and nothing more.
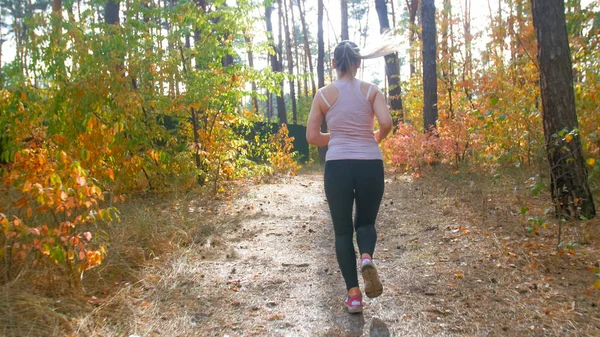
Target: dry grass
(510, 276)
(40, 302)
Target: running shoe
(373, 286)
(354, 304)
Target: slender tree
(295, 44)
(201, 8)
(447, 66)
(392, 69)
(307, 51)
(468, 65)
(430, 111)
(344, 13)
(568, 175)
(321, 70)
(290, 62)
(412, 6)
(275, 65)
(56, 37)
(249, 51)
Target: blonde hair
(347, 54)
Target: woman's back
(350, 120)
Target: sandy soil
(450, 263)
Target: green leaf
(57, 254)
(494, 101)
(539, 186)
(523, 210)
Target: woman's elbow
(386, 126)
(311, 138)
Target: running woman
(354, 166)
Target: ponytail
(347, 54)
(389, 44)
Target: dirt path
(270, 270)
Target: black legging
(347, 181)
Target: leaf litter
(449, 266)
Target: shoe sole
(354, 310)
(373, 286)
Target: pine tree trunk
(430, 112)
(250, 53)
(412, 6)
(344, 13)
(392, 69)
(321, 71)
(468, 42)
(296, 54)
(290, 62)
(446, 55)
(55, 39)
(200, 6)
(275, 65)
(307, 51)
(111, 12)
(568, 179)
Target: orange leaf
(111, 174)
(568, 137)
(87, 236)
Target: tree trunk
(307, 46)
(447, 54)
(568, 179)
(468, 42)
(430, 111)
(200, 6)
(321, 71)
(344, 13)
(55, 40)
(251, 64)
(111, 12)
(275, 65)
(392, 70)
(290, 62)
(296, 57)
(412, 7)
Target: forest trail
(269, 269)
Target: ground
(453, 261)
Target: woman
(354, 166)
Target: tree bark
(467, 70)
(250, 53)
(321, 71)
(111, 12)
(275, 65)
(290, 62)
(412, 6)
(447, 54)
(344, 13)
(296, 57)
(307, 50)
(568, 179)
(392, 69)
(430, 110)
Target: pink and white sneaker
(373, 286)
(354, 304)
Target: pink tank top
(350, 120)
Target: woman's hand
(377, 134)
